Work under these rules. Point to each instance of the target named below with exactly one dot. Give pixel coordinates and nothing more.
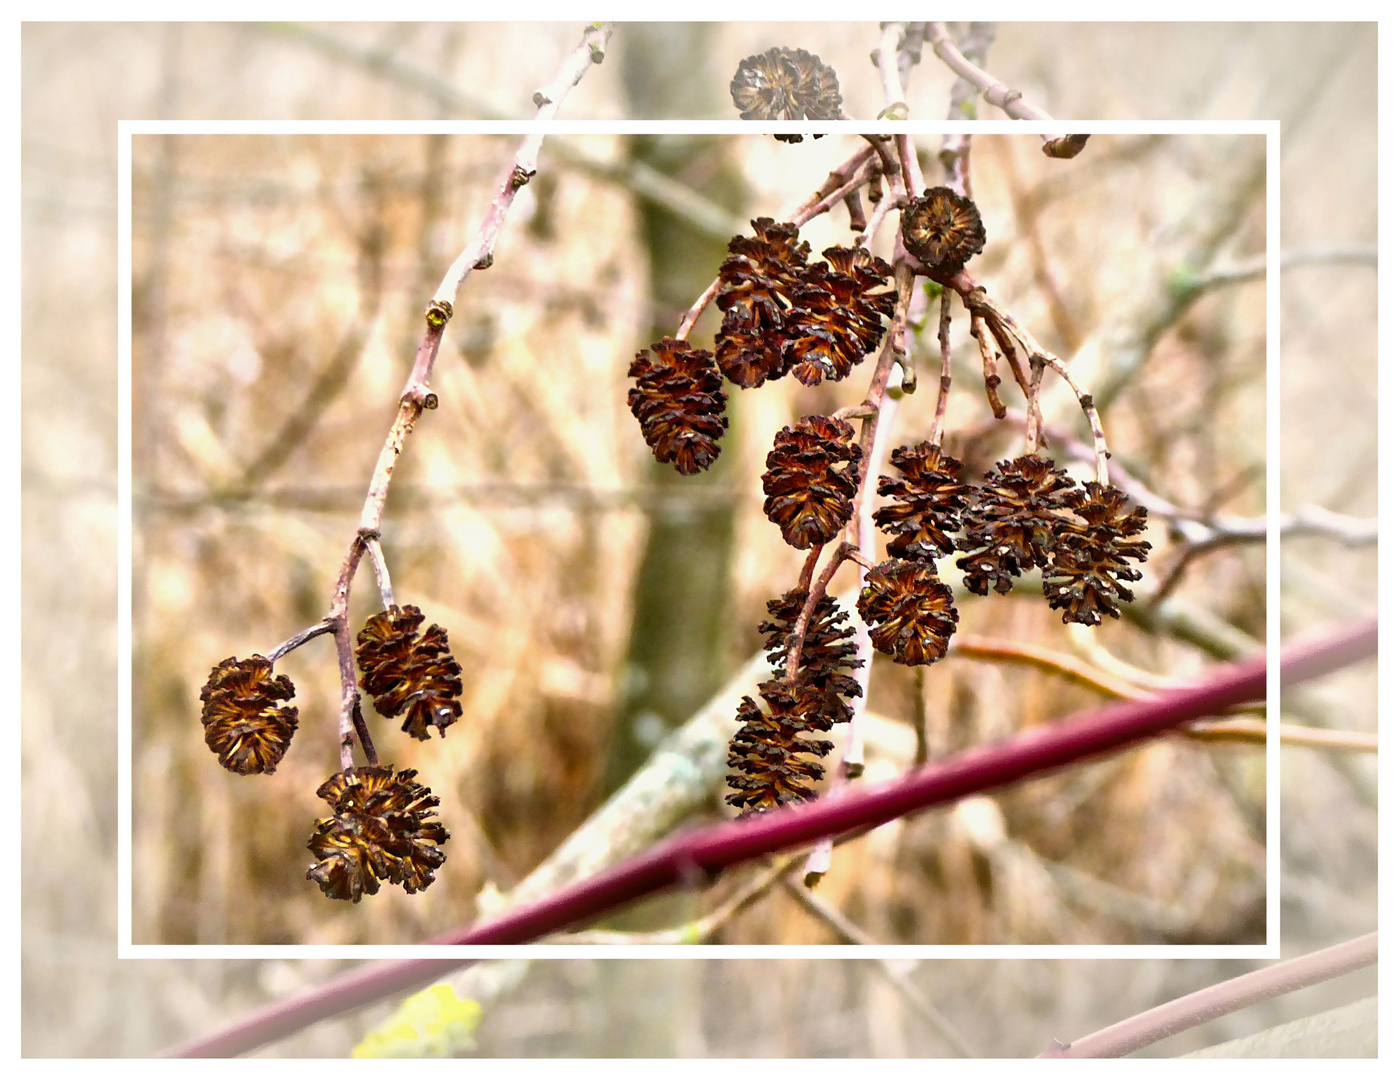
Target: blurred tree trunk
(681, 594)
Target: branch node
(438, 313)
(520, 177)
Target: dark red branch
(698, 854)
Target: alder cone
(909, 611)
(1089, 561)
(770, 757)
(828, 649)
(243, 723)
(785, 84)
(812, 476)
(383, 828)
(928, 502)
(1011, 522)
(403, 672)
(755, 293)
(942, 230)
(679, 403)
(836, 316)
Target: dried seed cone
(755, 293)
(812, 474)
(828, 649)
(785, 84)
(942, 230)
(383, 828)
(243, 724)
(679, 404)
(1011, 522)
(1089, 562)
(835, 321)
(403, 672)
(928, 501)
(908, 610)
(770, 757)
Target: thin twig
(955, 154)
(853, 935)
(1011, 102)
(1303, 735)
(381, 570)
(325, 626)
(1221, 999)
(417, 397)
(701, 930)
(945, 373)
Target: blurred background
(597, 601)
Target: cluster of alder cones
(817, 321)
(383, 823)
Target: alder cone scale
(812, 476)
(1089, 563)
(403, 672)
(679, 403)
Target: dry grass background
(264, 264)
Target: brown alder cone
(812, 475)
(942, 230)
(770, 757)
(243, 724)
(908, 610)
(403, 672)
(786, 84)
(755, 293)
(382, 830)
(928, 502)
(1089, 561)
(1011, 521)
(836, 316)
(679, 404)
(828, 649)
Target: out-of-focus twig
(1011, 102)
(851, 934)
(1221, 999)
(637, 177)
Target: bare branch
(1221, 999)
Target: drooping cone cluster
(812, 474)
(1089, 562)
(772, 759)
(383, 828)
(679, 403)
(942, 230)
(1012, 522)
(407, 673)
(780, 314)
(786, 84)
(243, 724)
(908, 610)
(928, 502)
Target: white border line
(127, 950)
